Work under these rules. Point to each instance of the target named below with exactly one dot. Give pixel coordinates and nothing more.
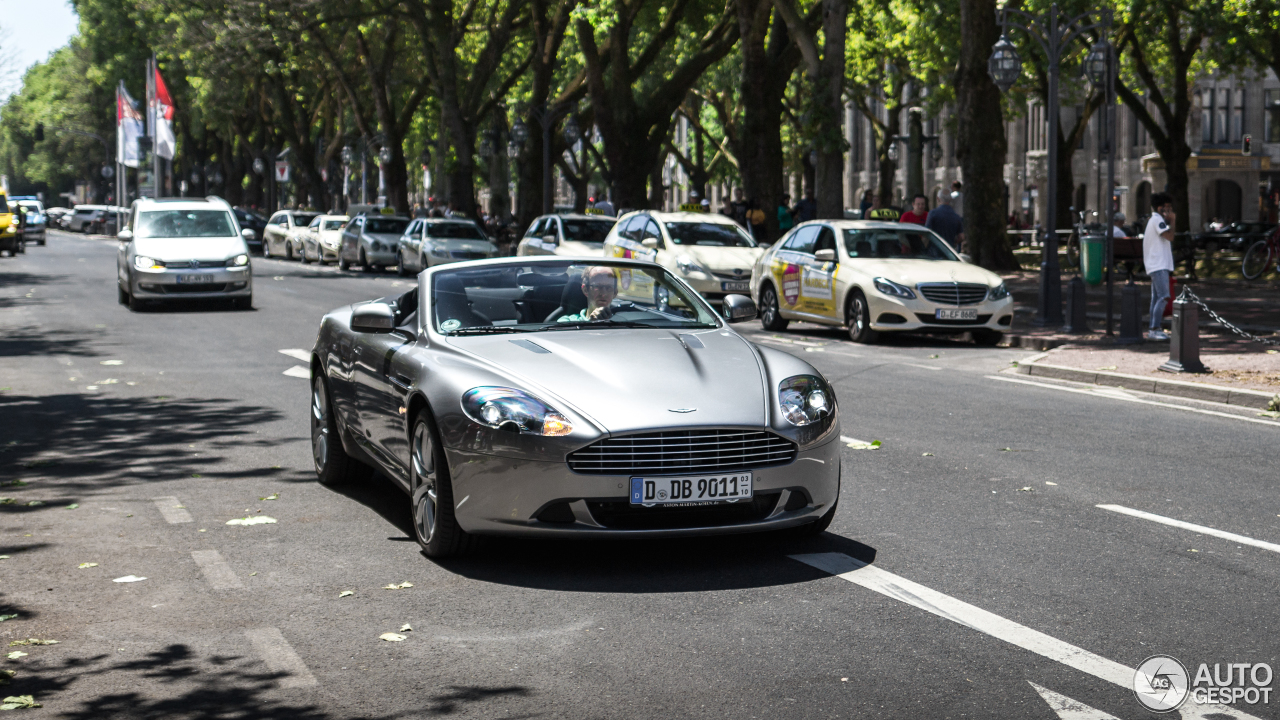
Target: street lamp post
(547, 118)
(1054, 32)
(1100, 68)
(915, 140)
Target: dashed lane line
(171, 510)
(280, 657)
(216, 570)
(960, 612)
(297, 354)
(299, 371)
(1125, 397)
(1202, 529)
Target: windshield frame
(732, 227)
(708, 318)
(844, 251)
(137, 229)
(427, 227)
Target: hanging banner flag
(128, 127)
(162, 107)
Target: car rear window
(385, 225)
(454, 231)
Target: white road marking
(1068, 709)
(855, 441)
(926, 367)
(958, 611)
(1241, 539)
(280, 657)
(170, 510)
(299, 371)
(216, 570)
(297, 354)
(1130, 398)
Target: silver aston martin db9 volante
(575, 398)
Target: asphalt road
(994, 585)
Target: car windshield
(303, 219)
(548, 297)
(454, 231)
(705, 233)
(334, 224)
(591, 231)
(894, 243)
(184, 224)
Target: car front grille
(468, 254)
(622, 515)
(931, 320)
(954, 293)
(683, 451)
(181, 264)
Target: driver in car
(600, 286)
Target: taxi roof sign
(884, 214)
(693, 207)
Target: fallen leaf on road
(111, 362)
(1109, 367)
(195, 476)
(14, 702)
(7, 617)
(181, 507)
(391, 637)
(1009, 449)
(108, 381)
(5, 675)
(7, 501)
(406, 628)
(1272, 352)
(1025, 489)
(1193, 550)
(272, 496)
(1046, 482)
(1270, 413)
(37, 463)
(129, 578)
(87, 565)
(933, 357)
(926, 454)
(401, 586)
(15, 483)
(257, 520)
(346, 593)
(252, 574)
(4, 557)
(32, 641)
(73, 506)
(16, 654)
(34, 503)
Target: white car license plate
(695, 489)
(957, 315)
(735, 287)
(194, 279)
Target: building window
(1237, 117)
(1206, 116)
(1272, 115)
(1222, 101)
(1138, 131)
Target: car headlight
(146, 264)
(514, 411)
(889, 287)
(686, 265)
(238, 261)
(805, 399)
(439, 251)
(12, 229)
(998, 292)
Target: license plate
(693, 490)
(735, 287)
(957, 315)
(194, 279)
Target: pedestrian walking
(919, 211)
(945, 221)
(755, 220)
(604, 206)
(806, 209)
(1157, 257)
(740, 207)
(785, 221)
(866, 203)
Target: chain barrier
(1188, 295)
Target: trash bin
(1091, 258)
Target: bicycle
(1259, 256)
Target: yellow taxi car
(873, 277)
(710, 252)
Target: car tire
(242, 303)
(334, 467)
(288, 250)
(343, 264)
(858, 317)
(986, 338)
(770, 313)
(303, 257)
(364, 262)
(434, 524)
(135, 304)
(122, 297)
(401, 270)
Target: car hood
(914, 272)
(629, 380)
(392, 238)
(189, 248)
(722, 260)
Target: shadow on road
(28, 341)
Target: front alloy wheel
(859, 318)
(333, 465)
(770, 314)
(434, 523)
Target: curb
(1175, 388)
(1031, 342)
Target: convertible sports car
(571, 397)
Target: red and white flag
(128, 127)
(162, 115)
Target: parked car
(279, 237)
(872, 277)
(570, 234)
(428, 242)
(711, 252)
(371, 241)
(86, 218)
(58, 217)
(250, 220)
(183, 248)
(322, 238)
(33, 231)
(10, 239)
(655, 420)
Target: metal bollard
(1077, 322)
(1130, 314)
(1184, 348)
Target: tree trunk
(981, 142)
(829, 174)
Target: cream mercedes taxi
(873, 277)
(711, 252)
(566, 234)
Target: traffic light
(1246, 144)
(39, 132)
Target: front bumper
(498, 495)
(713, 289)
(381, 257)
(890, 314)
(221, 282)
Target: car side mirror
(650, 242)
(247, 234)
(825, 255)
(373, 318)
(739, 308)
(966, 257)
(125, 235)
(550, 239)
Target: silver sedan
(575, 398)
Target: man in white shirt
(1157, 256)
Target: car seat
(572, 299)
(451, 303)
